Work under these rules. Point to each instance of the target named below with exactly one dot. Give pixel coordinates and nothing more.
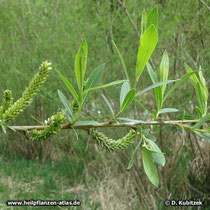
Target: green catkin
(29, 92)
(111, 144)
(54, 123)
(7, 102)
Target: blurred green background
(67, 167)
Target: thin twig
(108, 124)
(129, 17)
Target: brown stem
(179, 123)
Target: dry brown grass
(110, 186)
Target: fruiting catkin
(54, 123)
(111, 144)
(29, 92)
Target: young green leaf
(148, 135)
(154, 86)
(202, 95)
(203, 136)
(157, 155)
(158, 97)
(69, 86)
(193, 78)
(80, 64)
(3, 128)
(199, 112)
(124, 90)
(68, 117)
(128, 99)
(106, 85)
(121, 60)
(152, 74)
(146, 115)
(141, 105)
(65, 103)
(148, 42)
(95, 76)
(152, 18)
(200, 86)
(178, 83)
(108, 104)
(134, 155)
(93, 79)
(186, 117)
(11, 128)
(168, 110)
(203, 85)
(149, 167)
(200, 98)
(143, 21)
(164, 69)
(202, 121)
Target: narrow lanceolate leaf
(146, 115)
(3, 128)
(68, 117)
(152, 18)
(203, 136)
(157, 155)
(200, 86)
(106, 85)
(200, 98)
(65, 103)
(69, 86)
(124, 90)
(186, 117)
(193, 78)
(128, 99)
(149, 167)
(178, 83)
(154, 86)
(95, 76)
(93, 79)
(148, 135)
(134, 155)
(158, 97)
(152, 74)
(143, 21)
(164, 69)
(203, 84)
(168, 110)
(148, 42)
(202, 121)
(108, 104)
(80, 64)
(121, 60)
(203, 92)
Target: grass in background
(100, 179)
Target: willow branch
(108, 124)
